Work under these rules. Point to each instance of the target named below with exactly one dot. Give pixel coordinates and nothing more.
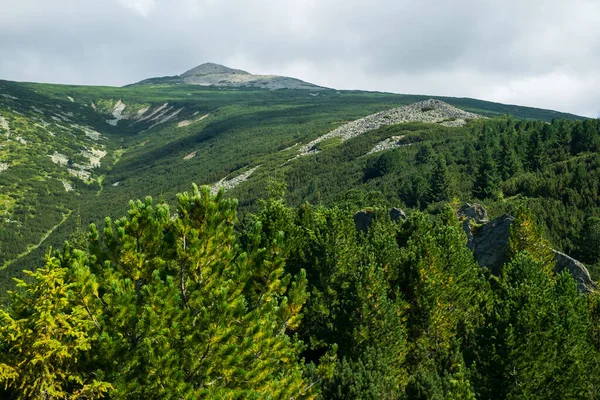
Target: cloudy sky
(529, 52)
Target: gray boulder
(577, 270)
(490, 243)
(363, 219)
(397, 214)
(475, 212)
(490, 247)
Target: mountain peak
(211, 69)
(211, 74)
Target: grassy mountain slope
(156, 139)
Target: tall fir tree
(440, 185)
(487, 179)
(589, 241)
(509, 163)
(537, 158)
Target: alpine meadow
(225, 235)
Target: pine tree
(164, 307)
(585, 137)
(220, 314)
(563, 135)
(442, 283)
(537, 158)
(526, 235)
(440, 185)
(535, 340)
(45, 336)
(509, 161)
(424, 154)
(487, 180)
(589, 240)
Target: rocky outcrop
(577, 270)
(474, 211)
(364, 218)
(490, 242)
(432, 111)
(390, 143)
(397, 214)
(490, 245)
(228, 184)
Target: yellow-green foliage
(160, 307)
(45, 335)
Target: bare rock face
(490, 246)
(397, 214)
(490, 243)
(577, 269)
(363, 219)
(475, 212)
(212, 69)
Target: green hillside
(68, 161)
(323, 251)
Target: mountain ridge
(68, 150)
(212, 74)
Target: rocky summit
(211, 74)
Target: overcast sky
(529, 52)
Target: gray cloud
(542, 54)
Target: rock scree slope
(432, 111)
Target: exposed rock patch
(475, 212)
(190, 155)
(431, 111)
(188, 122)
(577, 269)
(388, 144)
(80, 173)
(166, 118)
(117, 113)
(4, 125)
(229, 184)
(59, 159)
(153, 113)
(89, 132)
(490, 245)
(94, 156)
(210, 74)
(397, 214)
(68, 186)
(364, 218)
